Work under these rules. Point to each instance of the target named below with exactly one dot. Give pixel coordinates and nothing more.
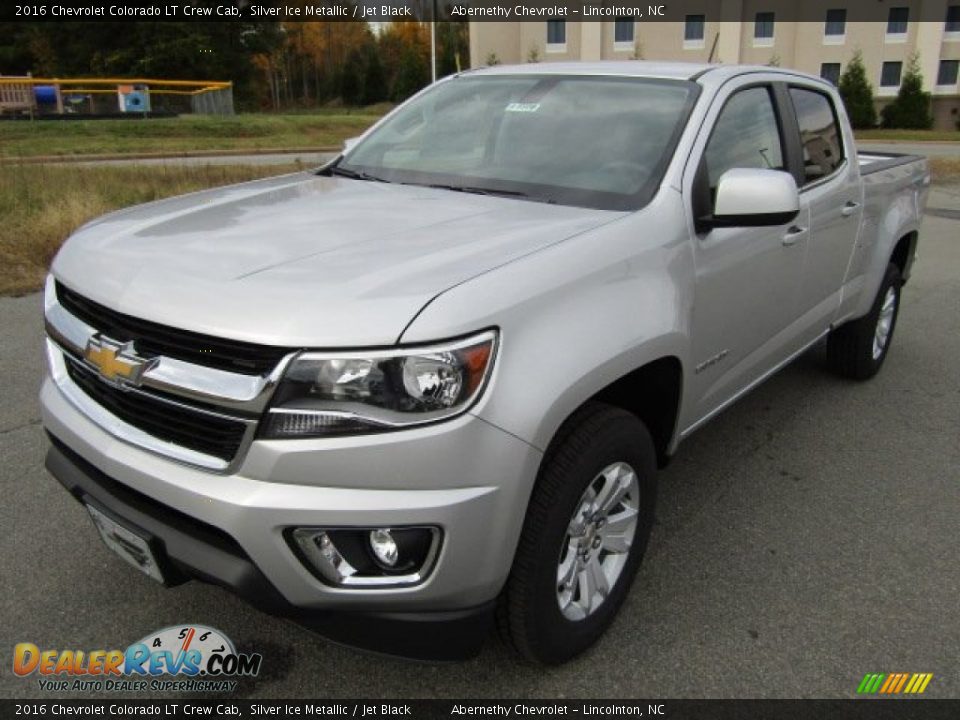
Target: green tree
(413, 73)
(351, 80)
(911, 109)
(857, 93)
(375, 78)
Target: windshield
(600, 142)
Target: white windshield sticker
(523, 107)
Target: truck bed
(872, 162)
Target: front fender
(574, 317)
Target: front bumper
(465, 476)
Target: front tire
(585, 534)
(858, 348)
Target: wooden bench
(17, 97)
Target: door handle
(849, 209)
(793, 234)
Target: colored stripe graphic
(894, 683)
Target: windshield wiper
(488, 191)
(354, 174)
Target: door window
(746, 135)
(819, 133)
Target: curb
(44, 159)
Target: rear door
(831, 187)
(747, 278)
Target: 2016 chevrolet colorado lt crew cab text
(431, 382)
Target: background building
(759, 32)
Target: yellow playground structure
(109, 97)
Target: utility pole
(433, 43)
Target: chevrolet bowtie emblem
(116, 362)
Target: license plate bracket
(133, 546)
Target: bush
(857, 94)
(911, 109)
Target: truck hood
(303, 260)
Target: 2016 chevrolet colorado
(433, 381)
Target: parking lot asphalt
(805, 537)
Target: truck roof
(638, 68)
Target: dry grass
(883, 135)
(945, 169)
(40, 205)
(237, 133)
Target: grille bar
(153, 339)
(208, 434)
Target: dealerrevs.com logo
(190, 658)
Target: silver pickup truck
(430, 384)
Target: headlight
(324, 394)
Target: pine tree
(413, 73)
(857, 94)
(351, 79)
(375, 78)
(911, 109)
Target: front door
(747, 278)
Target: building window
(836, 24)
(693, 32)
(830, 72)
(947, 73)
(623, 28)
(763, 29)
(556, 35)
(890, 74)
(952, 24)
(897, 21)
(693, 28)
(763, 25)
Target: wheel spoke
(568, 568)
(617, 485)
(588, 589)
(599, 577)
(617, 534)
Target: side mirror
(754, 197)
(349, 143)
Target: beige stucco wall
(729, 39)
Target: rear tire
(858, 348)
(584, 536)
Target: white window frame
(946, 89)
(765, 41)
(552, 48)
(839, 73)
(950, 35)
(696, 43)
(889, 90)
(896, 38)
(620, 46)
(835, 39)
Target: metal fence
(111, 96)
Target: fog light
(384, 547)
(367, 557)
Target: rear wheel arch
(902, 255)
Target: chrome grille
(163, 418)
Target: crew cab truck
(430, 384)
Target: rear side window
(819, 133)
(746, 135)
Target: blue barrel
(45, 94)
